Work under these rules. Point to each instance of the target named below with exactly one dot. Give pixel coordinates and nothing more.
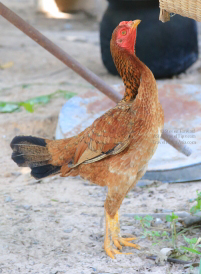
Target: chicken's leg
(112, 236)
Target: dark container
(166, 48)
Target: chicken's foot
(112, 237)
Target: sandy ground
(56, 225)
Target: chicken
(115, 150)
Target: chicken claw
(110, 251)
(112, 237)
(125, 242)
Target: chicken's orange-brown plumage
(115, 150)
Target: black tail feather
(44, 171)
(33, 152)
(18, 158)
(28, 140)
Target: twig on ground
(170, 260)
(190, 221)
(22, 220)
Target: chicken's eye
(124, 32)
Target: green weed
(173, 220)
(193, 244)
(144, 221)
(197, 207)
(29, 105)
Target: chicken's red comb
(125, 23)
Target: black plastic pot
(166, 48)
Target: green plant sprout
(144, 221)
(197, 207)
(193, 243)
(173, 220)
(156, 236)
(151, 234)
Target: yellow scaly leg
(112, 236)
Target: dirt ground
(56, 225)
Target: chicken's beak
(135, 23)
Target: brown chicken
(114, 151)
